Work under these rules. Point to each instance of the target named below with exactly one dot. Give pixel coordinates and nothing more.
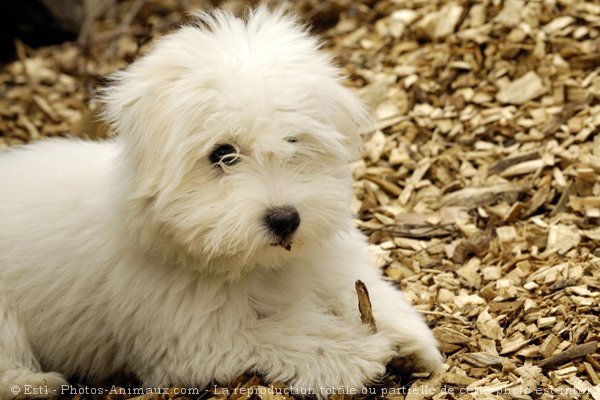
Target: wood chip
(527, 87)
(476, 197)
(481, 359)
(442, 23)
(457, 379)
(591, 373)
(583, 387)
(562, 238)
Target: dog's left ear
(352, 118)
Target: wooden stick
(364, 305)
(579, 350)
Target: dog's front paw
(26, 384)
(339, 367)
(332, 375)
(417, 349)
(423, 359)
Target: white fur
(138, 256)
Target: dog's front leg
(395, 317)
(317, 352)
(20, 372)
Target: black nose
(282, 221)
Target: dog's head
(239, 136)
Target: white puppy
(213, 236)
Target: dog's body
(212, 237)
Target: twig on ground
(364, 305)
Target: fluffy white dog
(213, 236)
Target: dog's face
(239, 137)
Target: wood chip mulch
(479, 190)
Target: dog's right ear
(159, 102)
(351, 117)
(116, 97)
(133, 105)
(119, 100)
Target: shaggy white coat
(139, 256)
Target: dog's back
(45, 183)
(54, 202)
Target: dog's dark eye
(291, 139)
(224, 154)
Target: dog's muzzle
(282, 222)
